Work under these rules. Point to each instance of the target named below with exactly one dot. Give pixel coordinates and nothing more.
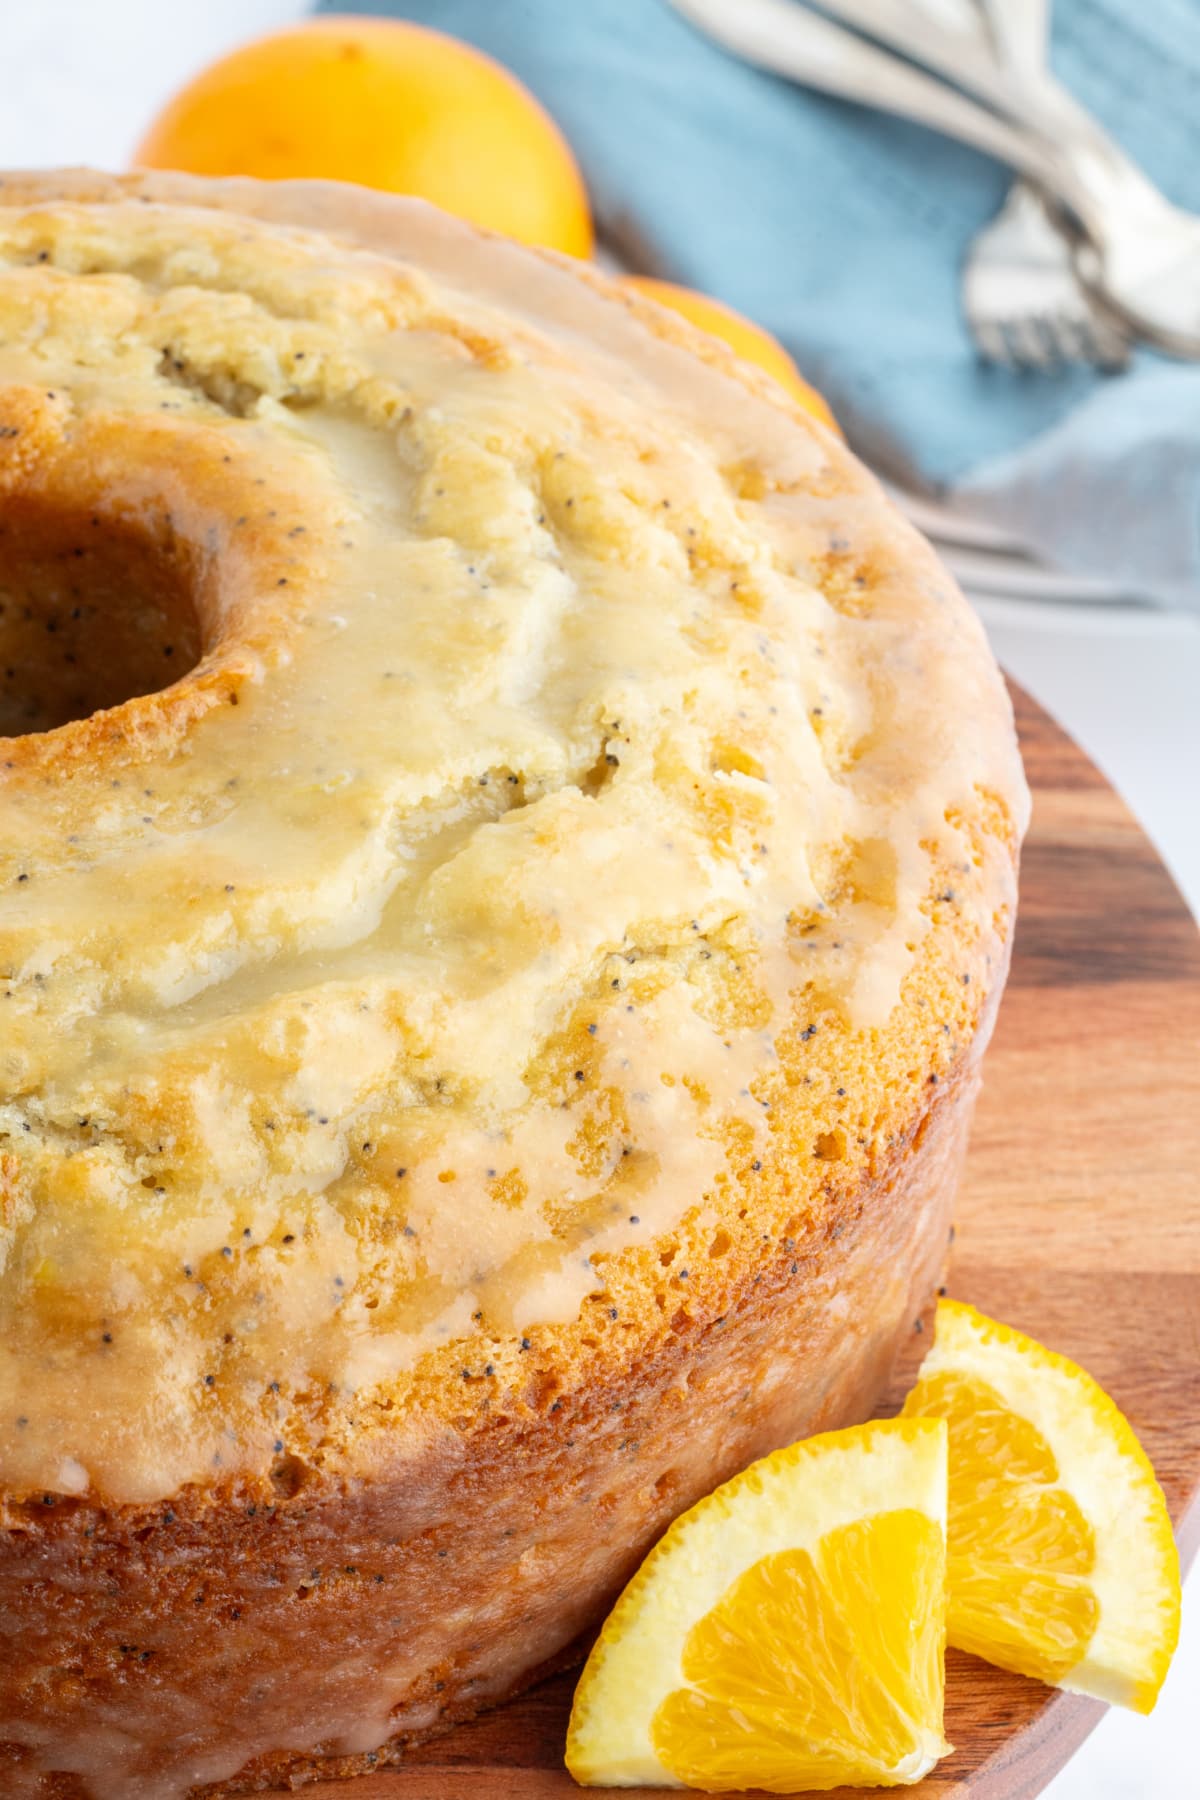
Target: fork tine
(1072, 338)
(1108, 346)
(990, 341)
(1023, 298)
(1093, 337)
(1028, 345)
(1071, 329)
(1049, 340)
(1013, 353)
(1053, 349)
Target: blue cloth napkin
(843, 232)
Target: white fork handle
(1019, 30)
(1028, 94)
(961, 54)
(789, 40)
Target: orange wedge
(1062, 1564)
(787, 1633)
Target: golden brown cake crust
(187, 1622)
(254, 1547)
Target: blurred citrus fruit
(387, 104)
(747, 339)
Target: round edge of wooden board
(1079, 1221)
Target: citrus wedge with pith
(787, 1633)
(1061, 1561)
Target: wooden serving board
(1079, 1222)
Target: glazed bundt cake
(507, 864)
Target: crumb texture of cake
(507, 865)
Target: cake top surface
(561, 706)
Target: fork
(1025, 306)
(1136, 251)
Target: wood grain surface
(1079, 1222)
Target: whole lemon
(747, 339)
(387, 104)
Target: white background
(81, 80)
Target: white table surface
(83, 77)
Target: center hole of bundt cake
(93, 612)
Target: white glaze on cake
(562, 717)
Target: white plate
(987, 561)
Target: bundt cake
(507, 865)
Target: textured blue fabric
(843, 232)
